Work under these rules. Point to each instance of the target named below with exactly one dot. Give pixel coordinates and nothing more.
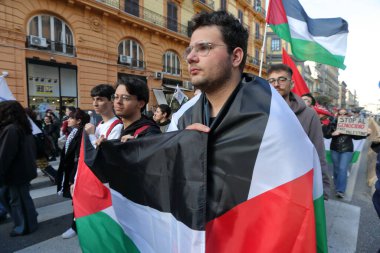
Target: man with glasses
(129, 101)
(280, 77)
(251, 143)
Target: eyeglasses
(201, 49)
(122, 97)
(281, 80)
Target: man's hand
(100, 140)
(72, 190)
(126, 138)
(89, 128)
(335, 133)
(199, 127)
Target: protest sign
(353, 125)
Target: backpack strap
(116, 122)
(140, 130)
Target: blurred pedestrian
(69, 160)
(308, 99)
(50, 131)
(17, 167)
(342, 149)
(162, 116)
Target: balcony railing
(150, 16)
(113, 3)
(207, 3)
(260, 10)
(53, 47)
(135, 63)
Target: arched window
(171, 63)
(50, 33)
(131, 53)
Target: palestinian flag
(300, 86)
(145, 195)
(322, 40)
(358, 147)
(253, 184)
(264, 181)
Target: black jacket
(143, 121)
(342, 142)
(17, 156)
(68, 165)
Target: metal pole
(262, 49)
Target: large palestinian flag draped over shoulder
(322, 40)
(260, 192)
(264, 187)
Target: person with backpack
(129, 101)
(110, 127)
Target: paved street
(352, 223)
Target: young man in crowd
(129, 100)
(162, 115)
(252, 140)
(110, 127)
(280, 77)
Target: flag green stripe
(100, 239)
(355, 157)
(320, 224)
(308, 50)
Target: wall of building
(97, 30)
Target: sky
(362, 60)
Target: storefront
(51, 86)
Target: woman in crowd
(50, 130)
(17, 167)
(69, 159)
(341, 148)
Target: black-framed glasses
(281, 80)
(123, 97)
(201, 48)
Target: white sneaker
(70, 233)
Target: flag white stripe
(335, 44)
(283, 151)
(153, 231)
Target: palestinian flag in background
(264, 182)
(322, 40)
(358, 147)
(300, 86)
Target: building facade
(55, 51)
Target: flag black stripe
(234, 143)
(164, 172)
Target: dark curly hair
(12, 112)
(233, 32)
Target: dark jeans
(17, 201)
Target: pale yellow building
(56, 50)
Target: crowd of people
(216, 58)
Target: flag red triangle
(300, 86)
